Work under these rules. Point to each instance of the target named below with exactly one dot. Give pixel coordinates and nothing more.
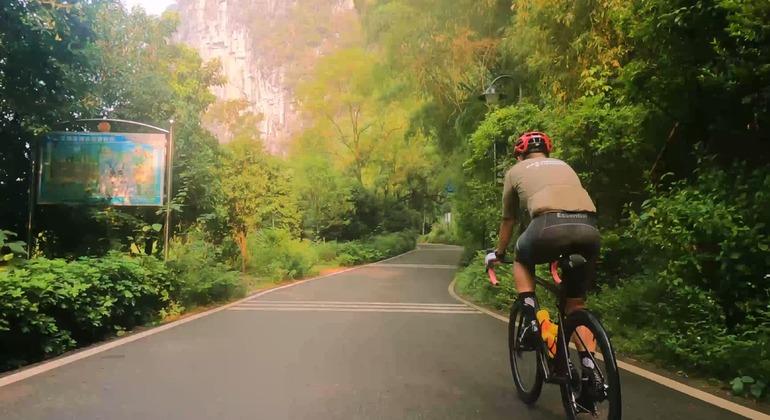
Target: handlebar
(491, 269)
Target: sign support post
(169, 183)
(33, 151)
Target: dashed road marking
(326, 306)
(439, 266)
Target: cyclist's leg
(587, 242)
(567, 235)
(524, 278)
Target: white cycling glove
(491, 257)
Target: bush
(683, 328)
(706, 307)
(276, 255)
(442, 233)
(201, 276)
(326, 251)
(50, 306)
(375, 248)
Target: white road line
(321, 302)
(439, 266)
(65, 360)
(321, 305)
(654, 377)
(330, 309)
(312, 306)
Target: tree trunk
(240, 238)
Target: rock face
(262, 46)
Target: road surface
(385, 341)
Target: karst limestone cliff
(264, 47)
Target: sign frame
(41, 201)
(35, 157)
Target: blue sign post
(450, 189)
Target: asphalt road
(380, 342)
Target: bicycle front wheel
(599, 393)
(524, 356)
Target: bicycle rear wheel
(525, 360)
(605, 396)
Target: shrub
(375, 248)
(442, 233)
(326, 251)
(50, 306)
(346, 260)
(276, 255)
(201, 276)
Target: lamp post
(492, 96)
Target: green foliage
(201, 273)
(746, 385)
(375, 248)
(10, 250)
(257, 192)
(707, 306)
(327, 209)
(441, 233)
(50, 306)
(709, 230)
(278, 256)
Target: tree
(258, 192)
(324, 194)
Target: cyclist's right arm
(510, 210)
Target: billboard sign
(122, 169)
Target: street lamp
(492, 96)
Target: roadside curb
(43, 367)
(662, 380)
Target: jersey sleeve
(510, 198)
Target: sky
(154, 7)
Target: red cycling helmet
(532, 142)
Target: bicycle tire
(527, 396)
(584, 318)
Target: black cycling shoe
(592, 390)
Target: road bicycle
(558, 368)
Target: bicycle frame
(560, 374)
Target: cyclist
(563, 220)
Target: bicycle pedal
(579, 409)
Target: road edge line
(654, 377)
(26, 373)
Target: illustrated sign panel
(123, 169)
